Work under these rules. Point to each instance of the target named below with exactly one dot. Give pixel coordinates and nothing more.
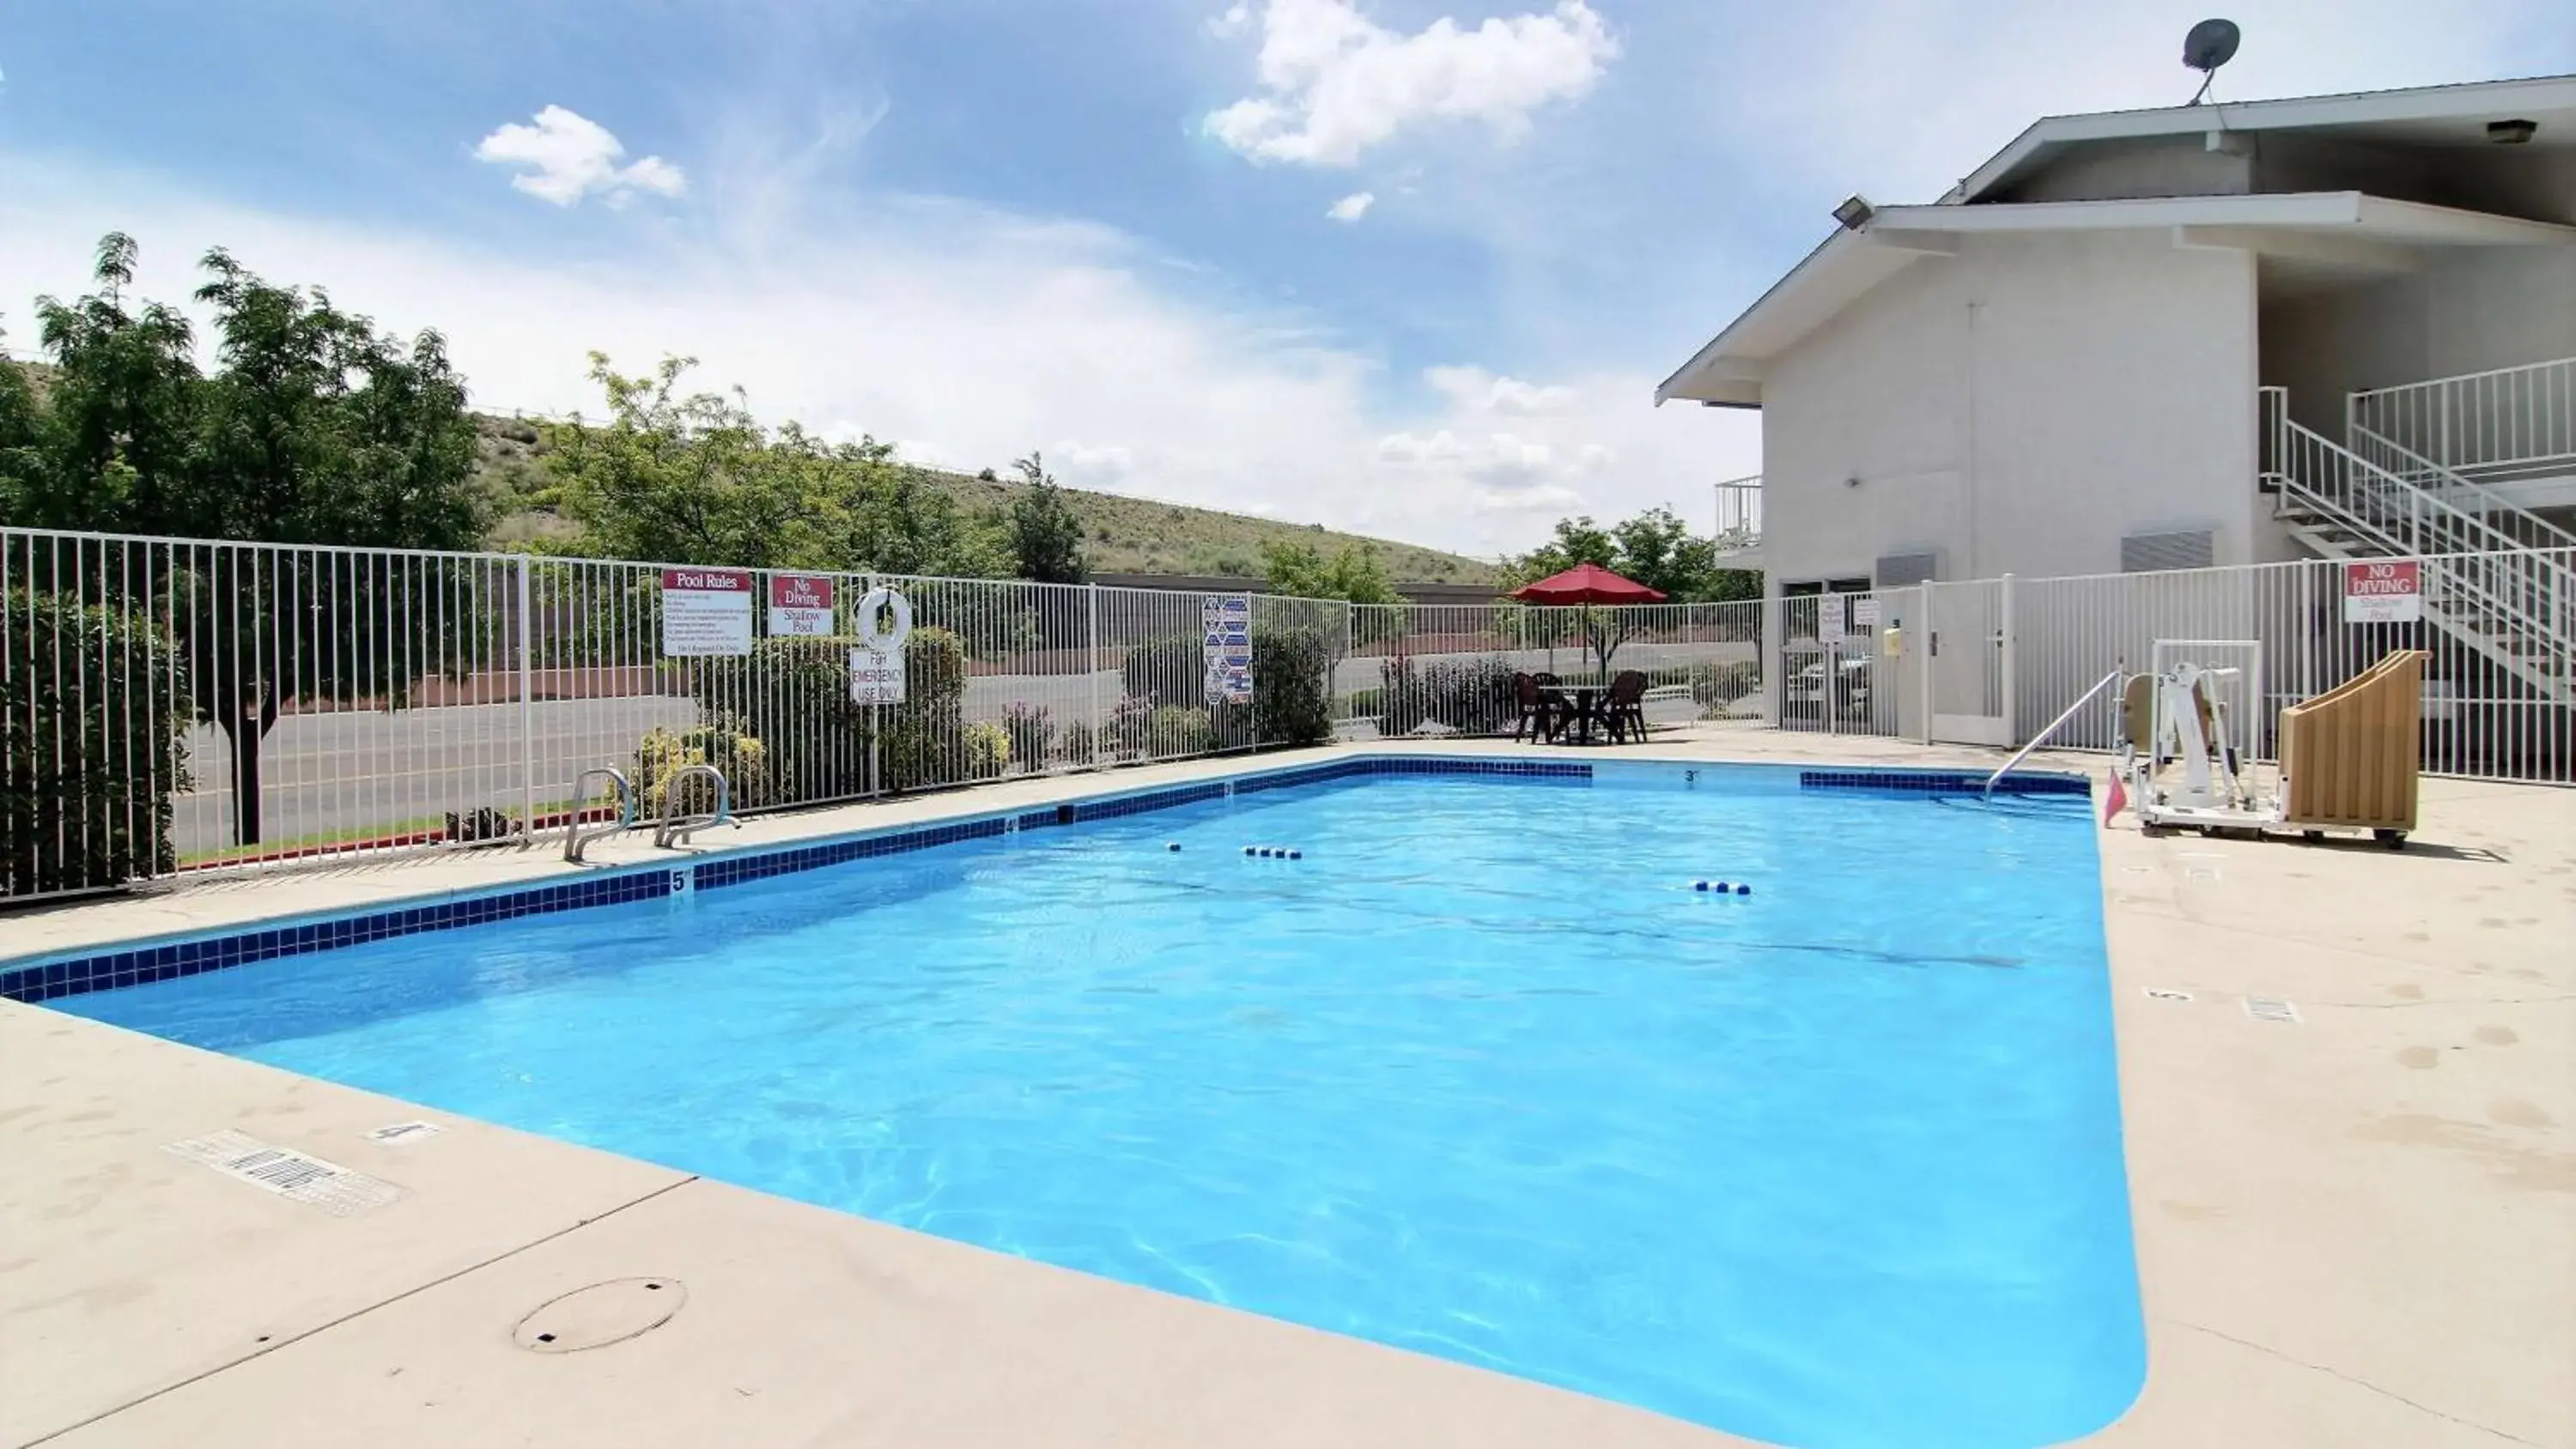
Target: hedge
(93, 744)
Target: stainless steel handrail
(574, 837)
(2041, 738)
(682, 827)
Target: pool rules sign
(2383, 591)
(706, 611)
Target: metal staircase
(2507, 589)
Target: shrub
(791, 697)
(1075, 747)
(1173, 730)
(1170, 671)
(986, 750)
(1292, 690)
(1715, 686)
(93, 729)
(1129, 723)
(1291, 686)
(663, 753)
(1031, 732)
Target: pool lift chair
(2183, 755)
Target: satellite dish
(2211, 44)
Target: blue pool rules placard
(1225, 624)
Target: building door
(1971, 660)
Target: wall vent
(1905, 570)
(2146, 553)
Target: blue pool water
(1481, 1075)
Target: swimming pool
(1479, 1074)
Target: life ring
(890, 641)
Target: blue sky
(1105, 228)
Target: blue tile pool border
(45, 978)
(1943, 782)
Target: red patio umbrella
(1587, 584)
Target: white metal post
(527, 718)
(2011, 735)
(1091, 594)
(1931, 618)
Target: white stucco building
(2210, 334)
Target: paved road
(333, 774)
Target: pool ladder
(575, 838)
(676, 829)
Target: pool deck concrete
(2358, 1228)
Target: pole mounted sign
(876, 664)
(706, 611)
(1225, 623)
(800, 604)
(1829, 619)
(2383, 591)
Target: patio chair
(1538, 712)
(1625, 707)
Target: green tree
(694, 478)
(120, 414)
(23, 469)
(316, 429)
(1046, 536)
(1301, 570)
(890, 517)
(313, 429)
(1655, 548)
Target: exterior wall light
(1856, 212)
(2511, 133)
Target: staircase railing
(2502, 590)
(2527, 530)
(2507, 423)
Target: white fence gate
(1969, 641)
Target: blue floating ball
(1296, 855)
(1171, 845)
(1699, 885)
(1721, 887)
(1744, 890)
(1247, 850)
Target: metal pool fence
(173, 705)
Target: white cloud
(1090, 466)
(1335, 83)
(1352, 207)
(1236, 20)
(1529, 498)
(1481, 391)
(566, 156)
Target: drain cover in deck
(601, 1314)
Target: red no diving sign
(2383, 591)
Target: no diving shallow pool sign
(2383, 591)
(706, 611)
(800, 605)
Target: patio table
(1583, 700)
